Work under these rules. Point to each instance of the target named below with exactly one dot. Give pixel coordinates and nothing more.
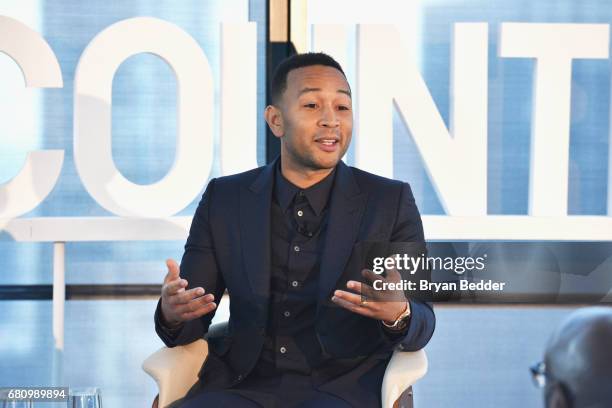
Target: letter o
(93, 112)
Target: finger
(364, 290)
(173, 270)
(353, 298)
(203, 310)
(186, 296)
(354, 285)
(174, 287)
(393, 275)
(371, 276)
(194, 304)
(385, 294)
(364, 311)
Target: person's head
(311, 111)
(578, 361)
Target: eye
(343, 107)
(310, 105)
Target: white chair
(175, 370)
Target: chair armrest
(175, 370)
(404, 369)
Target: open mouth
(329, 145)
(327, 142)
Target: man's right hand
(179, 305)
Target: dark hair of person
(279, 79)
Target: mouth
(328, 144)
(328, 141)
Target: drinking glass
(89, 397)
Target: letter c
(40, 69)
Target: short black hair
(279, 79)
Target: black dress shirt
(298, 225)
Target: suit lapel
(255, 202)
(346, 209)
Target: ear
(274, 117)
(557, 397)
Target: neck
(301, 176)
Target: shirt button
(296, 248)
(300, 213)
(301, 194)
(283, 350)
(239, 378)
(295, 284)
(287, 313)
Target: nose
(329, 119)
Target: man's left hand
(385, 305)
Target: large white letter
(457, 165)
(238, 142)
(40, 69)
(554, 46)
(332, 39)
(92, 118)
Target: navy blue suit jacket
(229, 248)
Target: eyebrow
(305, 90)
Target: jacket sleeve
(199, 267)
(409, 228)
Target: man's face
(316, 118)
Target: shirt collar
(317, 194)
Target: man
(279, 238)
(577, 367)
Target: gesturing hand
(179, 305)
(385, 305)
